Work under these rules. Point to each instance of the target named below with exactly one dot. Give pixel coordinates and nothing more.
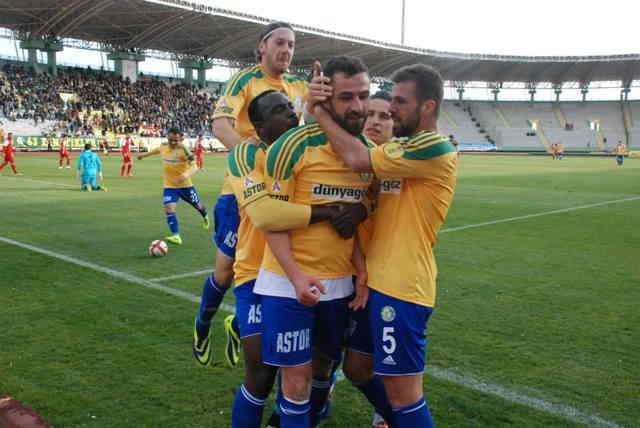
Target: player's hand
(347, 217)
(308, 289)
(362, 292)
(320, 89)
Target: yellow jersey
(302, 167)
(417, 183)
(176, 161)
(245, 175)
(247, 84)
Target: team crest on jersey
(388, 314)
(367, 177)
(393, 150)
(248, 182)
(275, 188)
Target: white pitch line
(523, 217)
(43, 182)
(181, 275)
(112, 272)
(562, 410)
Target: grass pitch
(540, 310)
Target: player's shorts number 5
(389, 342)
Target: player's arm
(150, 153)
(362, 288)
(308, 289)
(351, 149)
(224, 130)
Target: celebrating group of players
(326, 231)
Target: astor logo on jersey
(391, 185)
(292, 341)
(337, 193)
(253, 190)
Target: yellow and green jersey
(417, 183)
(247, 84)
(302, 167)
(176, 161)
(245, 175)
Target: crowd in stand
(103, 103)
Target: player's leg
(13, 166)
(358, 366)
(398, 330)
(328, 345)
(259, 377)
(60, 162)
(123, 168)
(190, 195)
(225, 237)
(3, 165)
(68, 161)
(170, 200)
(129, 167)
(286, 343)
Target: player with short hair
(64, 152)
(89, 168)
(178, 169)
(620, 151)
(126, 170)
(418, 182)
(9, 154)
(305, 319)
(198, 151)
(231, 125)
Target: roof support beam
(82, 18)
(64, 12)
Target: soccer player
(9, 154)
(64, 152)
(126, 170)
(418, 182)
(305, 319)
(559, 150)
(178, 169)
(89, 168)
(198, 151)
(620, 151)
(231, 125)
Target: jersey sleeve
(245, 166)
(419, 158)
(233, 98)
(284, 159)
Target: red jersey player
(126, 170)
(198, 151)
(64, 152)
(9, 158)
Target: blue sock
(293, 415)
(375, 393)
(172, 221)
(415, 415)
(319, 400)
(247, 410)
(212, 295)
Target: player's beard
(352, 122)
(407, 127)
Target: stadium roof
(190, 29)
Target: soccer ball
(158, 248)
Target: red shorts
(126, 159)
(9, 159)
(64, 155)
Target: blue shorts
(248, 309)
(171, 195)
(290, 330)
(399, 332)
(227, 220)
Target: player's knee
(259, 379)
(322, 365)
(296, 382)
(224, 270)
